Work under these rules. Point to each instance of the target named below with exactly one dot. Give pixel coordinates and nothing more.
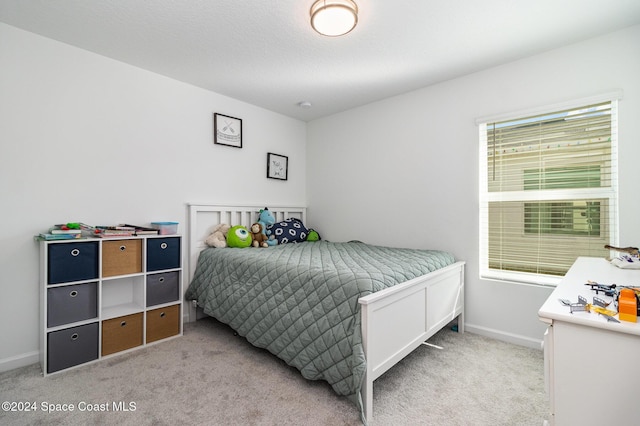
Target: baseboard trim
(516, 339)
(18, 361)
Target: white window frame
(485, 196)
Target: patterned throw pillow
(289, 231)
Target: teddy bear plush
(259, 239)
(218, 236)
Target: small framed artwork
(277, 166)
(227, 130)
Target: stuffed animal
(259, 239)
(218, 236)
(266, 219)
(313, 235)
(238, 237)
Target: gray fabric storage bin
(163, 288)
(75, 261)
(72, 346)
(163, 253)
(72, 303)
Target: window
(548, 191)
(570, 218)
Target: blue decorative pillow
(289, 231)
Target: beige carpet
(210, 377)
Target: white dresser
(592, 366)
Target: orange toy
(627, 305)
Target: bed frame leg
(367, 399)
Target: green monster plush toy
(313, 235)
(239, 237)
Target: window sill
(521, 278)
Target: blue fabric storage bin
(163, 253)
(75, 261)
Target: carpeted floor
(211, 377)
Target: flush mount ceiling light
(334, 17)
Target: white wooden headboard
(203, 217)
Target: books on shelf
(89, 230)
(66, 229)
(114, 231)
(61, 232)
(105, 231)
(49, 236)
(124, 230)
(142, 230)
(117, 228)
(82, 230)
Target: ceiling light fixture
(334, 18)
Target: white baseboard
(505, 337)
(18, 361)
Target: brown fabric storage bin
(121, 257)
(121, 333)
(163, 323)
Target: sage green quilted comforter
(300, 301)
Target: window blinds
(548, 191)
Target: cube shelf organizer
(100, 297)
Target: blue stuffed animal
(266, 219)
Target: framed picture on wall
(227, 130)
(277, 166)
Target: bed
(344, 312)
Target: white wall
(412, 162)
(86, 138)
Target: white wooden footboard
(397, 320)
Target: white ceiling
(264, 52)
